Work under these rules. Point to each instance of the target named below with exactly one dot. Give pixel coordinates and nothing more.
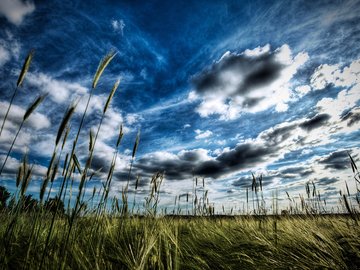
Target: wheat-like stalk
(121, 134)
(111, 95)
(33, 106)
(136, 145)
(28, 112)
(103, 64)
(25, 68)
(64, 123)
(18, 84)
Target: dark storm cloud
(315, 122)
(336, 160)
(98, 163)
(243, 182)
(174, 169)
(296, 172)
(351, 118)
(288, 173)
(327, 181)
(278, 135)
(254, 71)
(251, 102)
(191, 163)
(244, 155)
(212, 168)
(246, 181)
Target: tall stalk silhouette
(20, 80)
(28, 112)
(102, 65)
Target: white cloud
(257, 51)
(132, 118)
(302, 90)
(252, 81)
(348, 78)
(345, 100)
(16, 10)
(59, 91)
(333, 74)
(118, 26)
(192, 96)
(4, 56)
(202, 134)
(111, 124)
(12, 166)
(36, 120)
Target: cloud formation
(200, 162)
(325, 75)
(202, 134)
(4, 56)
(59, 91)
(252, 81)
(118, 26)
(338, 160)
(315, 122)
(16, 10)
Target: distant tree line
(28, 203)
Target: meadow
(106, 232)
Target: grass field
(318, 242)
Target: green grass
(322, 242)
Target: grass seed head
(25, 68)
(121, 134)
(102, 65)
(137, 182)
(43, 187)
(20, 175)
(136, 144)
(77, 164)
(67, 131)
(91, 140)
(64, 122)
(113, 90)
(33, 106)
(26, 180)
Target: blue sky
(219, 89)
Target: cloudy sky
(218, 89)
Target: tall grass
(20, 80)
(27, 114)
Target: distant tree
(53, 203)
(29, 204)
(4, 196)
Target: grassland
(318, 242)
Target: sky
(218, 89)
